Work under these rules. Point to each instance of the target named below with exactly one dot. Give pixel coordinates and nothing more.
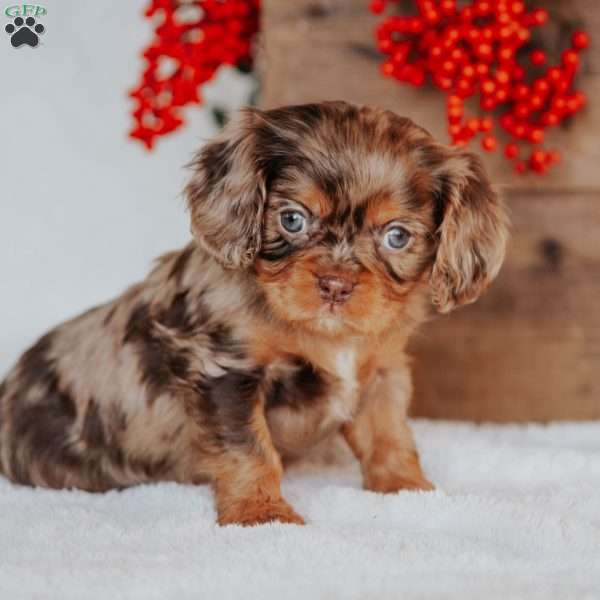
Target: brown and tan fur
(234, 352)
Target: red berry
(464, 87)
(559, 104)
(570, 58)
(483, 8)
(554, 74)
(466, 133)
(455, 114)
(511, 150)
(538, 157)
(554, 156)
(486, 124)
(387, 68)
(517, 7)
(432, 16)
(540, 16)
(518, 73)
(536, 102)
(457, 55)
(505, 32)
(506, 53)
(501, 95)
(468, 71)
(488, 87)
(418, 78)
(385, 45)
(448, 67)
(580, 40)
(448, 7)
(473, 124)
(489, 143)
(466, 15)
(487, 34)
(453, 34)
(473, 35)
(550, 118)
(502, 76)
(507, 121)
(445, 83)
(454, 130)
(536, 136)
(488, 103)
(581, 99)
(522, 111)
(415, 25)
(537, 57)
(377, 6)
(541, 86)
(436, 52)
(482, 69)
(520, 92)
(485, 51)
(572, 105)
(520, 131)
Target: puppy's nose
(335, 289)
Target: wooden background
(530, 349)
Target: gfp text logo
(25, 10)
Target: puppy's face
(343, 261)
(346, 214)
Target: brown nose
(335, 289)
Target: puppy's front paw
(250, 512)
(392, 483)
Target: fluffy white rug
(516, 515)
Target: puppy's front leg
(245, 467)
(380, 437)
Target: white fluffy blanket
(516, 515)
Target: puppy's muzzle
(335, 289)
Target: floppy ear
(226, 194)
(472, 234)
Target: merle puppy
(323, 235)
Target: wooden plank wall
(530, 349)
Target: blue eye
(293, 221)
(396, 238)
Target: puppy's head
(346, 214)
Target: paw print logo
(24, 32)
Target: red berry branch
(192, 40)
(477, 51)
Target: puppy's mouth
(332, 308)
(331, 316)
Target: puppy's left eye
(396, 238)
(293, 221)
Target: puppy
(323, 235)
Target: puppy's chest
(307, 402)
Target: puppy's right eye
(396, 238)
(293, 221)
